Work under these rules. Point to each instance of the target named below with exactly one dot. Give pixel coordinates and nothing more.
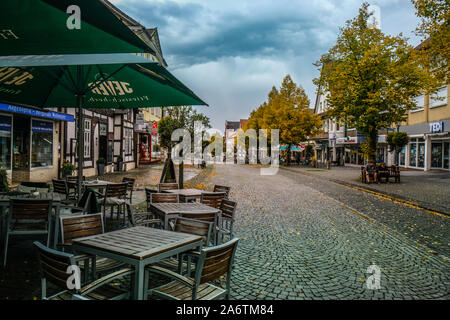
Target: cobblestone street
(299, 240)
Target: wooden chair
(73, 227)
(164, 198)
(141, 218)
(115, 197)
(61, 187)
(212, 199)
(27, 217)
(219, 188)
(226, 222)
(213, 262)
(167, 186)
(130, 182)
(209, 217)
(54, 266)
(192, 226)
(72, 184)
(148, 193)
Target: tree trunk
(289, 155)
(372, 140)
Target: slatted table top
(187, 192)
(137, 242)
(57, 197)
(177, 208)
(97, 183)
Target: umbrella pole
(80, 145)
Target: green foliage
(119, 159)
(165, 128)
(435, 30)
(156, 147)
(371, 79)
(286, 110)
(397, 140)
(67, 168)
(4, 184)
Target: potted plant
(119, 163)
(67, 169)
(4, 185)
(101, 163)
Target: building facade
(30, 142)
(428, 129)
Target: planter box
(101, 169)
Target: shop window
(42, 144)
(436, 155)
(5, 142)
(421, 155)
(446, 154)
(413, 154)
(402, 156)
(128, 141)
(87, 138)
(439, 98)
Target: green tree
(165, 128)
(397, 140)
(288, 110)
(372, 79)
(435, 30)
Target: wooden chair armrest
(171, 274)
(104, 280)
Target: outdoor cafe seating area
(184, 237)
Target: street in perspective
(248, 152)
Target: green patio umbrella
(45, 63)
(47, 27)
(90, 85)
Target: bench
(394, 172)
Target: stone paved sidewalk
(428, 189)
(298, 243)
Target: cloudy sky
(231, 52)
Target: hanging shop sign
(347, 140)
(436, 127)
(37, 113)
(42, 126)
(103, 129)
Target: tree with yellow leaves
(288, 110)
(435, 28)
(371, 78)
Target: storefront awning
(37, 113)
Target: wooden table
(97, 183)
(189, 194)
(172, 210)
(139, 247)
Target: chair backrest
(228, 208)
(59, 186)
(219, 188)
(148, 193)
(167, 186)
(213, 199)
(54, 265)
(194, 226)
(80, 226)
(74, 178)
(130, 182)
(116, 190)
(164, 198)
(214, 262)
(30, 209)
